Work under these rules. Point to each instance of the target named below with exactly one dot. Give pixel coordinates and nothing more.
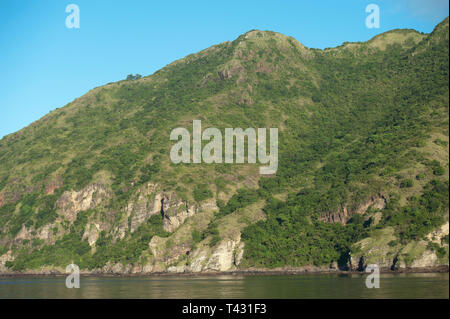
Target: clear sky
(45, 65)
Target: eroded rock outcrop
(226, 256)
(3, 259)
(384, 250)
(46, 233)
(92, 232)
(146, 204)
(72, 202)
(427, 259)
(118, 268)
(343, 214)
(52, 184)
(24, 234)
(175, 211)
(437, 235)
(150, 201)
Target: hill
(362, 174)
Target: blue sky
(45, 65)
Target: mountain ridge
(445, 21)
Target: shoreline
(247, 272)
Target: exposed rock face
(53, 184)
(238, 253)
(223, 75)
(46, 233)
(226, 256)
(142, 269)
(156, 246)
(175, 210)
(70, 203)
(118, 268)
(379, 250)
(145, 205)
(3, 259)
(222, 258)
(427, 259)
(24, 234)
(359, 263)
(92, 232)
(200, 258)
(120, 231)
(343, 214)
(147, 202)
(439, 233)
(166, 256)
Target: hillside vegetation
(363, 151)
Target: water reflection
(232, 286)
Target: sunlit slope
(363, 136)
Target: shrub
(438, 171)
(242, 198)
(406, 183)
(131, 77)
(202, 192)
(393, 243)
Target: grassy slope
(354, 121)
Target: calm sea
(231, 286)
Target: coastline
(242, 272)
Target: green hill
(363, 158)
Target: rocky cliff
(385, 251)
